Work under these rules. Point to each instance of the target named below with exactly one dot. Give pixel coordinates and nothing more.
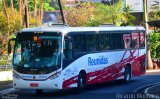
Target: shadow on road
(72, 92)
(108, 85)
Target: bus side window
(92, 42)
(67, 48)
(142, 40)
(104, 41)
(116, 41)
(135, 40)
(127, 40)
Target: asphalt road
(109, 90)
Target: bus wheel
(81, 82)
(39, 91)
(127, 74)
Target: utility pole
(148, 55)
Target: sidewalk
(6, 76)
(152, 70)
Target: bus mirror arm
(10, 46)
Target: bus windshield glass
(37, 54)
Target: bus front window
(38, 53)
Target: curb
(152, 71)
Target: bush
(155, 45)
(3, 60)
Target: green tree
(1, 6)
(108, 14)
(101, 15)
(14, 26)
(3, 24)
(80, 15)
(47, 4)
(155, 45)
(154, 15)
(47, 7)
(94, 14)
(128, 17)
(117, 13)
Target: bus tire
(81, 82)
(127, 74)
(39, 91)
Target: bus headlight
(16, 76)
(55, 75)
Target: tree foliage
(128, 17)
(94, 14)
(47, 7)
(14, 26)
(47, 4)
(80, 15)
(1, 6)
(101, 15)
(155, 45)
(154, 15)
(14, 23)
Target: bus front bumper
(28, 84)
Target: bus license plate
(33, 84)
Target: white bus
(66, 57)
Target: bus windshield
(37, 54)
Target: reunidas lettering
(98, 61)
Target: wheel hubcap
(81, 82)
(127, 78)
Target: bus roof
(66, 29)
